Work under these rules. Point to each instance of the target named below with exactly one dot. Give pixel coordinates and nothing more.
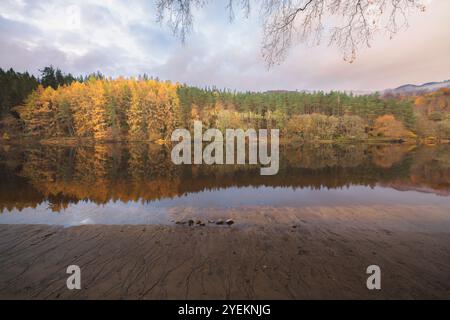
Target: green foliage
(51, 77)
(277, 106)
(14, 88)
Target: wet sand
(268, 253)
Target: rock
(220, 221)
(191, 222)
(202, 224)
(211, 221)
(199, 222)
(229, 222)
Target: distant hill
(416, 89)
(353, 92)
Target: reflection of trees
(15, 191)
(326, 155)
(63, 175)
(385, 156)
(152, 175)
(432, 168)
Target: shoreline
(76, 142)
(269, 254)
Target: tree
(353, 22)
(352, 127)
(80, 109)
(39, 112)
(444, 129)
(48, 77)
(389, 127)
(98, 112)
(14, 89)
(312, 127)
(153, 110)
(51, 77)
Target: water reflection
(94, 184)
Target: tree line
(303, 115)
(15, 86)
(61, 105)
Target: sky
(123, 38)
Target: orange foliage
(436, 101)
(388, 127)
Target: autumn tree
(153, 110)
(352, 127)
(163, 117)
(103, 109)
(39, 112)
(388, 127)
(312, 127)
(80, 108)
(97, 109)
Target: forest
(58, 105)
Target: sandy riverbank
(269, 253)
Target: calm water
(138, 183)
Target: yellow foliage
(103, 109)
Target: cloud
(122, 38)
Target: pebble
(220, 221)
(229, 222)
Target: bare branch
(349, 24)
